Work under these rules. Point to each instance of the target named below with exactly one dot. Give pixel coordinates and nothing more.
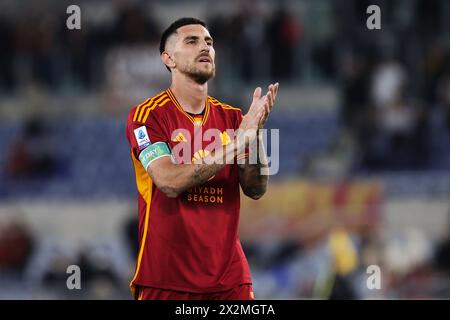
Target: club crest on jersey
(142, 138)
(179, 138)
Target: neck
(190, 95)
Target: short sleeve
(141, 135)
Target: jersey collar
(178, 106)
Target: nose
(205, 47)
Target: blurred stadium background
(364, 119)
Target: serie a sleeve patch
(152, 152)
(142, 139)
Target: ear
(167, 60)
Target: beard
(200, 76)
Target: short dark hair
(173, 29)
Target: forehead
(192, 30)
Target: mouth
(205, 59)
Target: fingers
(257, 93)
(262, 104)
(268, 103)
(256, 98)
(274, 89)
(253, 107)
(271, 94)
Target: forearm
(253, 177)
(180, 177)
(174, 179)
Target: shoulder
(225, 107)
(141, 112)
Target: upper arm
(148, 140)
(150, 145)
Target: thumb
(257, 93)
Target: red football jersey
(188, 243)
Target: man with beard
(189, 247)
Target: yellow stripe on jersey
(228, 107)
(140, 107)
(175, 101)
(214, 100)
(205, 117)
(156, 104)
(136, 112)
(154, 101)
(145, 103)
(224, 106)
(144, 186)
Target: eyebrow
(197, 37)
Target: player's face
(194, 53)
